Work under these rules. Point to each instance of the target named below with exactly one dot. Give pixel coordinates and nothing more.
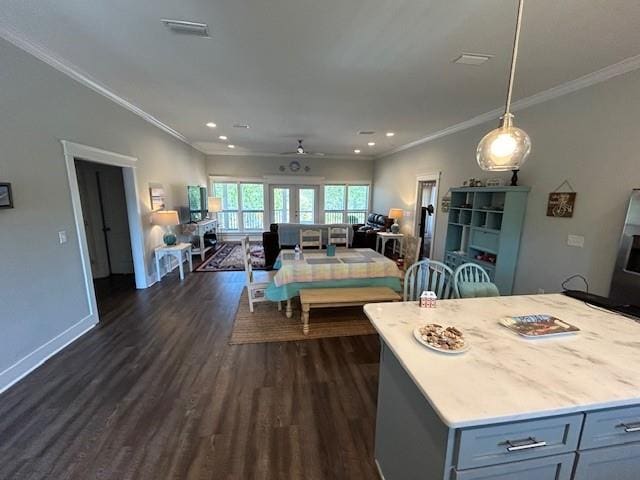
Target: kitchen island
(550, 408)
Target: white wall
(590, 137)
(42, 296)
(331, 168)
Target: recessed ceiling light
(472, 59)
(211, 125)
(222, 137)
(356, 151)
(231, 146)
(240, 125)
(371, 144)
(390, 134)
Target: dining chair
(255, 290)
(311, 239)
(470, 280)
(411, 252)
(428, 275)
(338, 236)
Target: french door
(294, 204)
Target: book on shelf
(536, 326)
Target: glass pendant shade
(504, 149)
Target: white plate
(418, 337)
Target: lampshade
(505, 148)
(215, 204)
(165, 218)
(396, 213)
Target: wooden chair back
(311, 239)
(338, 236)
(246, 258)
(428, 275)
(469, 272)
(411, 250)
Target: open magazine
(535, 326)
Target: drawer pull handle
(630, 427)
(526, 444)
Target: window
(346, 203)
(242, 206)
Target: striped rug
(268, 325)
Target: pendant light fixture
(507, 147)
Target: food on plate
(444, 338)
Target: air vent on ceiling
(472, 58)
(366, 132)
(240, 125)
(187, 28)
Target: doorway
(426, 201)
(104, 210)
(294, 204)
(127, 165)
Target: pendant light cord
(514, 57)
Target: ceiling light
(389, 134)
(231, 146)
(472, 59)
(187, 28)
(222, 137)
(507, 147)
(371, 144)
(240, 125)
(211, 125)
(356, 150)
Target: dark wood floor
(156, 392)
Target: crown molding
(625, 66)
(78, 75)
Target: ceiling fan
(301, 151)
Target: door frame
(128, 164)
(426, 177)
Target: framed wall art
(6, 197)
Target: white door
(294, 204)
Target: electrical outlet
(575, 241)
(541, 291)
(62, 236)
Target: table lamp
(214, 204)
(396, 214)
(167, 218)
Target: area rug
(268, 325)
(228, 258)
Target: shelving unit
(485, 225)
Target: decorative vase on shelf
(395, 228)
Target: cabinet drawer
(611, 427)
(557, 467)
(619, 463)
(482, 240)
(512, 442)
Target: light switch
(575, 241)
(62, 236)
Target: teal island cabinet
(485, 225)
(563, 408)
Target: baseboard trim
(33, 360)
(379, 469)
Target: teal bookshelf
(485, 225)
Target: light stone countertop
(505, 377)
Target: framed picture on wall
(6, 199)
(157, 194)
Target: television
(197, 198)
